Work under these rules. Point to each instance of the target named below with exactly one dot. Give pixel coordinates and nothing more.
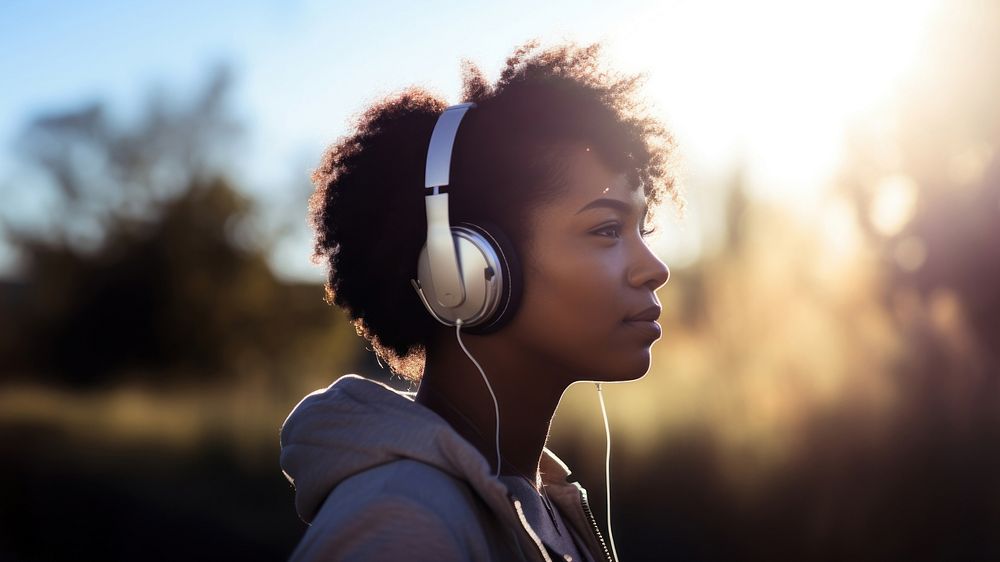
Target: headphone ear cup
(512, 288)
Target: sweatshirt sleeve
(384, 528)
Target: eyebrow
(616, 204)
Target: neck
(527, 395)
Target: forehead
(584, 178)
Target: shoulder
(404, 507)
(409, 480)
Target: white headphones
(467, 272)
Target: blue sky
(296, 60)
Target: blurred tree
(939, 149)
(934, 165)
(149, 262)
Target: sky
(771, 85)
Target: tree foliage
(148, 264)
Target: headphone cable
(496, 410)
(607, 468)
(496, 407)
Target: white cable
(496, 408)
(607, 432)
(607, 468)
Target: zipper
(529, 530)
(593, 523)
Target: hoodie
(378, 476)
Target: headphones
(467, 274)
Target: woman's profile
(494, 252)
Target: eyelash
(617, 228)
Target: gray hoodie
(378, 476)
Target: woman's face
(587, 272)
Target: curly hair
(367, 209)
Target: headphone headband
(442, 141)
(449, 290)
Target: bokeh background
(827, 384)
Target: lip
(651, 314)
(649, 328)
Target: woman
(555, 168)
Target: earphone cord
(496, 407)
(607, 468)
(607, 432)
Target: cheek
(573, 299)
(573, 316)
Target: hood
(356, 424)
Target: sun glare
(774, 82)
(894, 204)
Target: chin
(626, 369)
(641, 375)
(638, 373)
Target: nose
(648, 270)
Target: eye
(609, 231)
(646, 232)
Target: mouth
(645, 323)
(648, 328)
(650, 314)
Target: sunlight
(775, 82)
(894, 204)
(840, 235)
